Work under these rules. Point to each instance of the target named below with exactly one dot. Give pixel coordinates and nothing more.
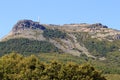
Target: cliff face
(26, 29)
(74, 39)
(27, 24)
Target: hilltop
(76, 39)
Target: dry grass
(112, 76)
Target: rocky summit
(25, 24)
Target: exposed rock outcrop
(26, 29)
(117, 36)
(25, 24)
(99, 25)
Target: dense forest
(26, 46)
(18, 67)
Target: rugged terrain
(70, 38)
(96, 43)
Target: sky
(59, 12)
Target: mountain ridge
(70, 38)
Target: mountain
(96, 44)
(91, 40)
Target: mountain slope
(96, 41)
(27, 47)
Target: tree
(17, 67)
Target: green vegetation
(17, 67)
(50, 33)
(107, 66)
(102, 48)
(63, 58)
(26, 46)
(96, 47)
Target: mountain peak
(75, 39)
(27, 24)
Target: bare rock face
(99, 25)
(117, 36)
(26, 29)
(27, 24)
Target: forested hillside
(26, 46)
(97, 47)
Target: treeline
(17, 67)
(26, 46)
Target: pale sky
(61, 12)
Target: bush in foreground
(17, 67)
